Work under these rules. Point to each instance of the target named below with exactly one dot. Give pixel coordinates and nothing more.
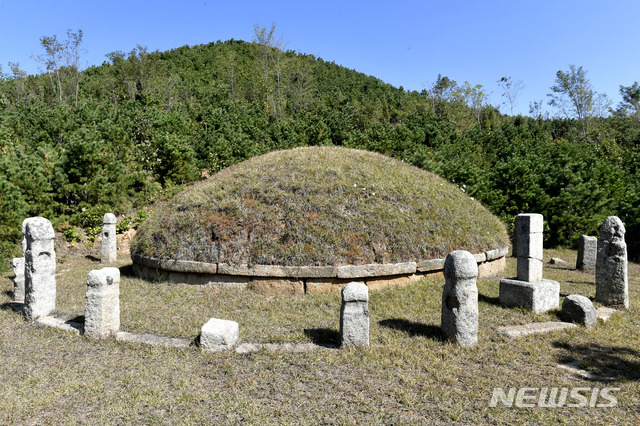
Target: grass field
(409, 375)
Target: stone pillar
(612, 283)
(354, 315)
(40, 268)
(18, 281)
(528, 289)
(528, 230)
(459, 321)
(108, 252)
(587, 253)
(102, 307)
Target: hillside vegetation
(318, 206)
(135, 130)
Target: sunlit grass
(409, 375)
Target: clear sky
(404, 43)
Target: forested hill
(136, 129)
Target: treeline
(120, 136)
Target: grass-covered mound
(318, 206)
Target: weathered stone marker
(40, 268)
(578, 309)
(18, 282)
(108, 251)
(587, 253)
(102, 307)
(459, 321)
(612, 282)
(354, 315)
(218, 334)
(528, 289)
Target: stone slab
(538, 296)
(515, 331)
(603, 313)
(480, 257)
(376, 270)
(152, 339)
(278, 271)
(574, 368)
(176, 265)
(430, 265)
(497, 253)
(51, 321)
(280, 347)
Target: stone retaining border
(302, 279)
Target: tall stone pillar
(354, 315)
(459, 321)
(40, 268)
(108, 252)
(612, 282)
(529, 290)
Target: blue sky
(404, 43)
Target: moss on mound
(318, 206)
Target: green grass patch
(318, 206)
(409, 375)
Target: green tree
(630, 105)
(574, 97)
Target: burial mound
(317, 206)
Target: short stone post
(528, 289)
(459, 321)
(579, 309)
(354, 315)
(102, 307)
(612, 282)
(40, 268)
(218, 335)
(587, 253)
(108, 251)
(18, 282)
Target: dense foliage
(120, 136)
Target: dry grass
(407, 376)
(319, 206)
